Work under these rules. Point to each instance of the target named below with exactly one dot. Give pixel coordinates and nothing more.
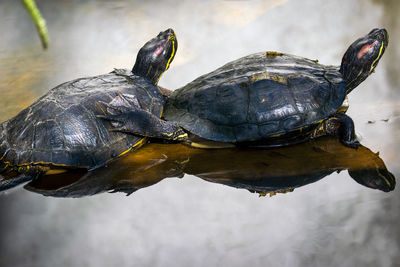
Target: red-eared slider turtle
(62, 128)
(274, 96)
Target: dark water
(330, 219)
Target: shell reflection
(257, 170)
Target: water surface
(192, 221)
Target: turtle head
(362, 57)
(155, 56)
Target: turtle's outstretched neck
(152, 65)
(362, 57)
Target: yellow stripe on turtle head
(377, 58)
(172, 38)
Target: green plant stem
(39, 21)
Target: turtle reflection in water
(62, 129)
(280, 98)
(258, 170)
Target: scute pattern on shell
(257, 97)
(62, 128)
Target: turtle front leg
(143, 123)
(339, 125)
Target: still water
(324, 212)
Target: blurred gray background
(189, 222)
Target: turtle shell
(61, 128)
(256, 97)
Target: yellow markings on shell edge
(211, 145)
(137, 145)
(39, 163)
(55, 171)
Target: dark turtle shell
(61, 128)
(258, 96)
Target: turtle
(63, 129)
(277, 97)
(271, 98)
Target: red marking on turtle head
(365, 49)
(160, 49)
